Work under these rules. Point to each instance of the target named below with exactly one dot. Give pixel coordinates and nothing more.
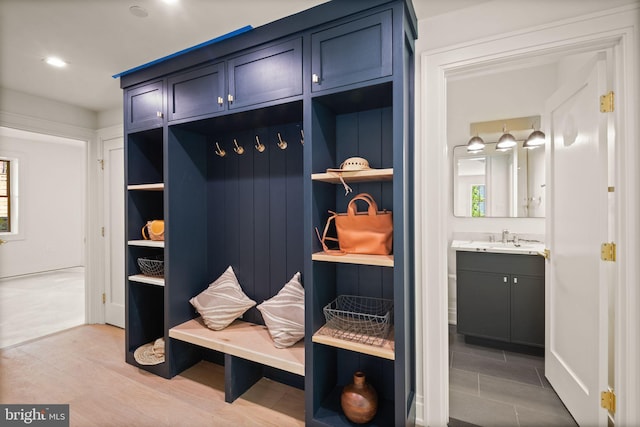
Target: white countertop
(526, 248)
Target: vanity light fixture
(475, 144)
(536, 139)
(506, 141)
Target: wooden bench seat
(247, 348)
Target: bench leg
(239, 376)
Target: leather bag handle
(145, 236)
(325, 237)
(352, 209)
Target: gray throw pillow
(222, 302)
(284, 314)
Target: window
(5, 196)
(478, 200)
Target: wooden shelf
(385, 351)
(355, 176)
(147, 243)
(151, 280)
(380, 260)
(147, 187)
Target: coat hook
(238, 149)
(282, 144)
(220, 152)
(259, 146)
(302, 136)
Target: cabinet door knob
(315, 78)
(159, 114)
(220, 101)
(230, 98)
(515, 280)
(505, 279)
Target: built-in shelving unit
(204, 152)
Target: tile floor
(36, 305)
(492, 387)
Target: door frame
(116, 143)
(617, 29)
(99, 287)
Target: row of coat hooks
(260, 147)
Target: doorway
(488, 385)
(42, 257)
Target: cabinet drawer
(265, 75)
(197, 93)
(530, 265)
(352, 52)
(143, 106)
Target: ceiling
(100, 38)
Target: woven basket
(152, 266)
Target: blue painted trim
(189, 49)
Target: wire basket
(152, 266)
(361, 319)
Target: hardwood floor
(84, 367)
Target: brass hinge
(611, 189)
(606, 102)
(101, 161)
(104, 298)
(608, 252)
(546, 253)
(608, 400)
(102, 231)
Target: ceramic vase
(359, 400)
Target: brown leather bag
(154, 229)
(369, 232)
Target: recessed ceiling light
(139, 11)
(55, 62)
(170, 1)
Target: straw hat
(352, 164)
(150, 354)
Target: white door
(113, 157)
(577, 223)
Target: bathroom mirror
(495, 183)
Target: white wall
(51, 181)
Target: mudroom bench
(247, 349)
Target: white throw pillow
(284, 314)
(222, 302)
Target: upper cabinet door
(197, 93)
(143, 107)
(353, 52)
(265, 75)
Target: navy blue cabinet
(196, 93)
(231, 193)
(353, 52)
(501, 297)
(144, 106)
(265, 75)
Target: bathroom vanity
(500, 292)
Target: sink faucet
(505, 236)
